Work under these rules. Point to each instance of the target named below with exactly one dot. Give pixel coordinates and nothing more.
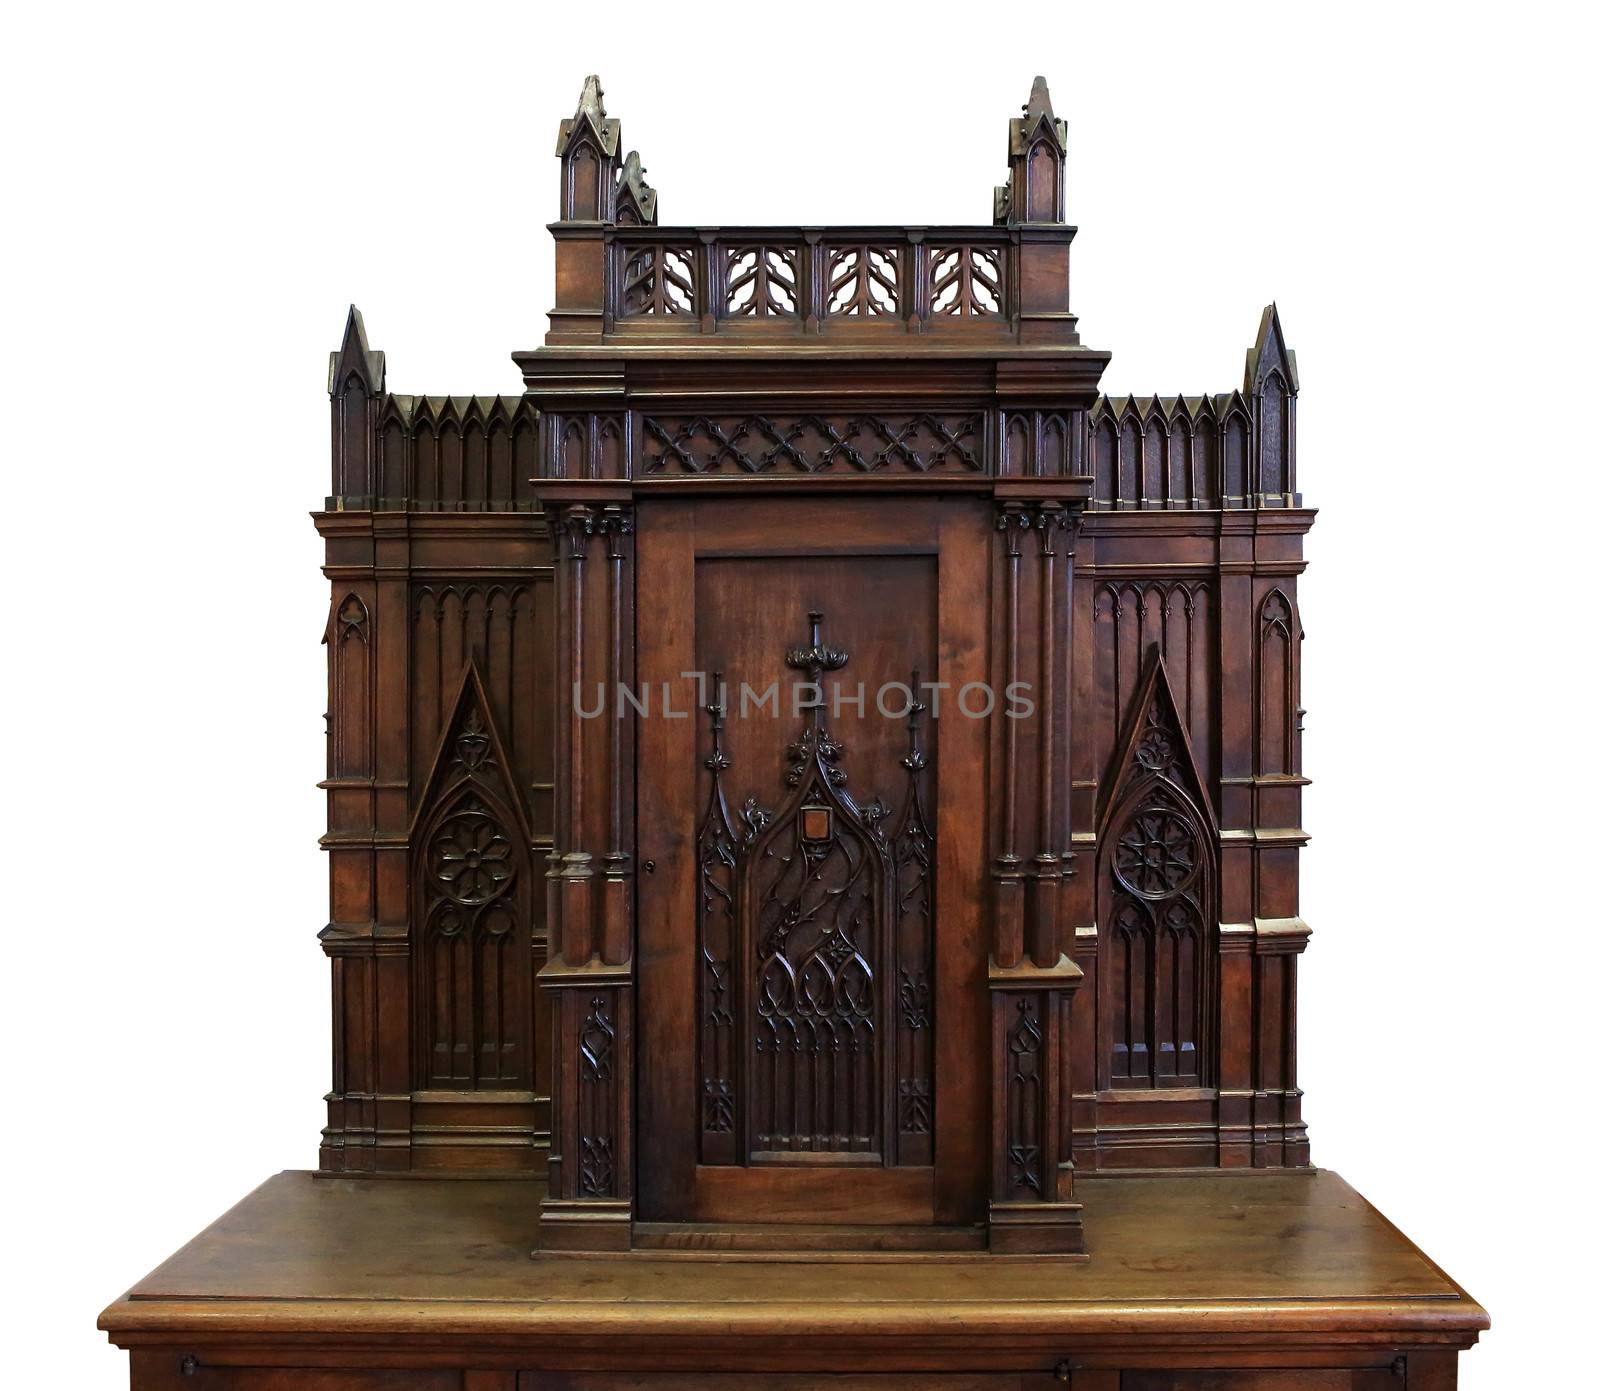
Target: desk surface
(1286, 1253)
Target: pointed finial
(1271, 351)
(1037, 154)
(636, 200)
(591, 117)
(354, 358)
(355, 332)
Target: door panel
(807, 942)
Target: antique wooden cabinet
(814, 809)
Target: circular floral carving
(1157, 854)
(1155, 750)
(471, 859)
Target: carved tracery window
(472, 885)
(1158, 911)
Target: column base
(1036, 1229)
(585, 1224)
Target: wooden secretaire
(814, 808)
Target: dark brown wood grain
(816, 1037)
(1290, 1274)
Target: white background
(196, 194)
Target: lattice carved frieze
(868, 443)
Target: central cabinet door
(811, 795)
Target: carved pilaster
(1031, 979)
(589, 1202)
(369, 1104)
(589, 976)
(1031, 1204)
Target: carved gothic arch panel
(1277, 715)
(472, 896)
(1156, 901)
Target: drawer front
(1261, 1379)
(163, 1371)
(781, 1381)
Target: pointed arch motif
(1235, 429)
(1156, 886)
(1155, 488)
(1272, 414)
(1104, 463)
(1276, 713)
(817, 899)
(1019, 444)
(1130, 459)
(348, 637)
(816, 972)
(1052, 448)
(574, 449)
(472, 887)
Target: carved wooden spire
(636, 200)
(1271, 353)
(588, 149)
(353, 360)
(1271, 382)
(1038, 155)
(355, 388)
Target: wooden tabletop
(1284, 1253)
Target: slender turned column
(616, 885)
(1042, 934)
(1009, 886)
(578, 524)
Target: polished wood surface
(1189, 1267)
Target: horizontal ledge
(704, 484)
(977, 1322)
(895, 345)
(559, 973)
(1065, 973)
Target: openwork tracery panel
(762, 282)
(863, 281)
(657, 279)
(966, 280)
